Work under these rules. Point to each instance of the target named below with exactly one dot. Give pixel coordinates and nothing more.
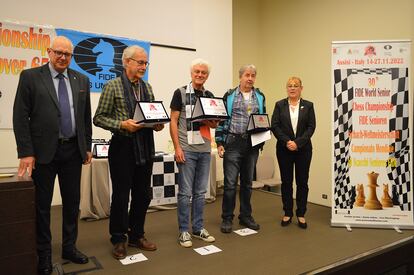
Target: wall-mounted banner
(24, 46)
(372, 150)
(99, 56)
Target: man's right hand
(131, 125)
(26, 164)
(220, 151)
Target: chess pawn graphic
(360, 199)
(395, 200)
(386, 200)
(372, 202)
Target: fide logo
(100, 58)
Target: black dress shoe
(226, 226)
(44, 266)
(286, 223)
(75, 256)
(302, 225)
(250, 223)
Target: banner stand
(372, 151)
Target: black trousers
(67, 165)
(128, 178)
(300, 162)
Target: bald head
(62, 40)
(60, 53)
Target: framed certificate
(209, 108)
(258, 123)
(150, 113)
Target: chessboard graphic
(343, 100)
(399, 174)
(164, 183)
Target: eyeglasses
(60, 54)
(140, 62)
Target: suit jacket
(36, 114)
(282, 126)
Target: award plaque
(258, 123)
(209, 108)
(100, 148)
(150, 113)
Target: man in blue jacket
(234, 145)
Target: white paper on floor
(131, 259)
(245, 231)
(209, 249)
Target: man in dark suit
(53, 131)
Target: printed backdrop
(372, 178)
(24, 46)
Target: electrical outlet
(324, 196)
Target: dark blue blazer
(36, 114)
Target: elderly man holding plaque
(235, 146)
(192, 144)
(131, 152)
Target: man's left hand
(88, 159)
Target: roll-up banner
(372, 150)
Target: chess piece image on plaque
(386, 200)
(372, 202)
(360, 199)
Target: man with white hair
(192, 144)
(131, 152)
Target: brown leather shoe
(143, 244)
(119, 251)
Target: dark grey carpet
(275, 250)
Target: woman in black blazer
(293, 124)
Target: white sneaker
(204, 235)
(185, 239)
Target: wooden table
(17, 226)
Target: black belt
(243, 136)
(67, 140)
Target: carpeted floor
(274, 250)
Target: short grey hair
(200, 61)
(130, 51)
(247, 67)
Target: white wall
(203, 25)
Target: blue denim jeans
(192, 187)
(239, 159)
